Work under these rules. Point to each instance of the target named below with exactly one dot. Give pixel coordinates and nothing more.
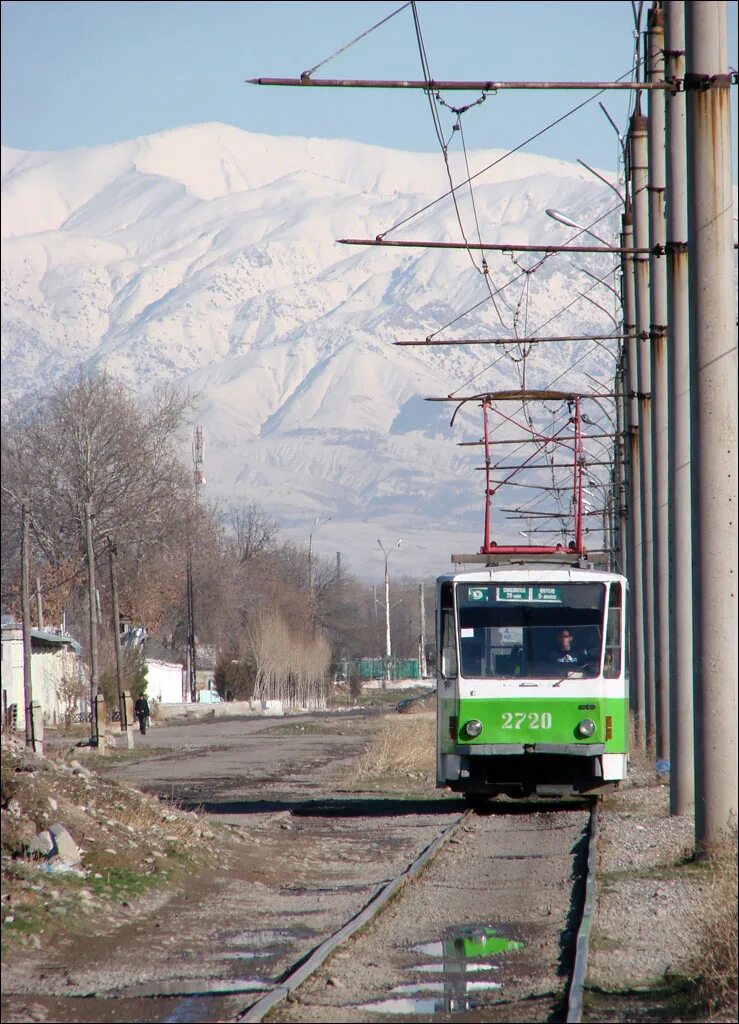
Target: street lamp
(570, 223)
(316, 523)
(388, 646)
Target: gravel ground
(510, 874)
(650, 904)
(285, 867)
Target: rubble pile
(73, 841)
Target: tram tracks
(310, 965)
(501, 907)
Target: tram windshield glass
(530, 630)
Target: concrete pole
(682, 788)
(93, 621)
(39, 605)
(388, 646)
(310, 565)
(658, 352)
(619, 479)
(191, 652)
(26, 627)
(713, 365)
(613, 523)
(117, 630)
(422, 667)
(640, 204)
(635, 562)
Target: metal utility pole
(621, 563)
(640, 206)
(713, 366)
(422, 667)
(658, 352)
(637, 696)
(682, 775)
(93, 621)
(388, 644)
(26, 623)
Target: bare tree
(71, 690)
(90, 441)
(254, 530)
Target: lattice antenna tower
(198, 458)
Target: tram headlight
(585, 728)
(472, 728)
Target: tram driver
(564, 653)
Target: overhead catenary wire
(483, 269)
(306, 74)
(521, 311)
(509, 153)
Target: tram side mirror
(448, 662)
(448, 668)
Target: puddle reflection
(463, 953)
(438, 968)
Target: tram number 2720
(529, 719)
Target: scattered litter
(60, 867)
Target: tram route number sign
(515, 595)
(535, 595)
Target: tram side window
(448, 632)
(612, 662)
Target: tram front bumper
(506, 749)
(518, 769)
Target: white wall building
(55, 674)
(164, 681)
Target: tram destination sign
(514, 594)
(534, 595)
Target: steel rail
(582, 942)
(306, 967)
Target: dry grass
(717, 952)
(641, 760)
(401, 745)
(141, 815)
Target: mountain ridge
(225, 276)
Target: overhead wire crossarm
(505, 247)
(543, 465)
(518, 396)
(511, 341)
(434, 85)
(526, 440)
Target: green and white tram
(532, 685)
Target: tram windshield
(530, 630)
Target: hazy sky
(84, 73)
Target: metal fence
(398, 668)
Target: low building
(57, 676)
(165, 674)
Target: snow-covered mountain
(208, 255)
